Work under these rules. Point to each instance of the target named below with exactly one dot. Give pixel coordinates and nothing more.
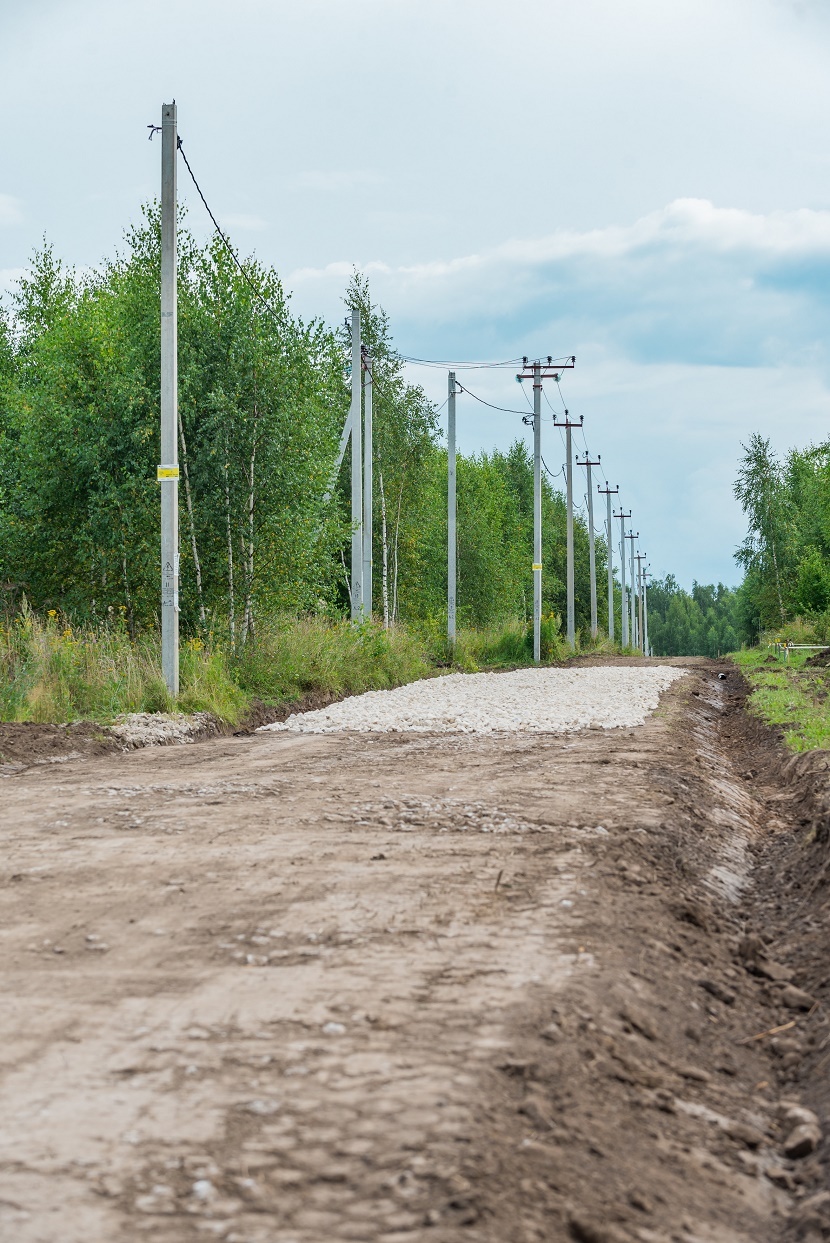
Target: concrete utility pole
(368, 381)
(640, 631)
(168, 470)
(646, 577)
(537, 373)
(569, 492)
(592, 564)
(608, 493)
(537, 513)
(451, 510)
(624, 608)
(357, 472)
(633, 535)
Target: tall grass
(51, 671)
(291, 656)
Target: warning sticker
(537, 567)
(167, 472)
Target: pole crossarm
(547, 370)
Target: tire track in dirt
(390, 989)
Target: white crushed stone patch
(533, 701)
(161, 729)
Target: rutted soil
(392, 988)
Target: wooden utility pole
(451, 510)
(168, 470)
(538, 372)
(608, 493)
(624, 609)
(592, 564)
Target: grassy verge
(792, 695)
(52, 671)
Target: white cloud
(11, 211)
(690, 282)
(683, 224)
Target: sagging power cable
(225, 240)
(505, 409)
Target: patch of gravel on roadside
(162, 729)
(538, 701)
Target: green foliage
(705, 623)
(290, 657)
(262, 399)
(786, 553)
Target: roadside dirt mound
(30, 742)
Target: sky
(643, 185)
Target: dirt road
(399, 988)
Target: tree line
(263, 395)
(786, 553)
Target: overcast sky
(644, 185)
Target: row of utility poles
(358, 426)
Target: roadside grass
(791, 695)
(54, 671)
(291, 656)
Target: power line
(472, 366)
(458, 365)
(254, 290)
(504, 409)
